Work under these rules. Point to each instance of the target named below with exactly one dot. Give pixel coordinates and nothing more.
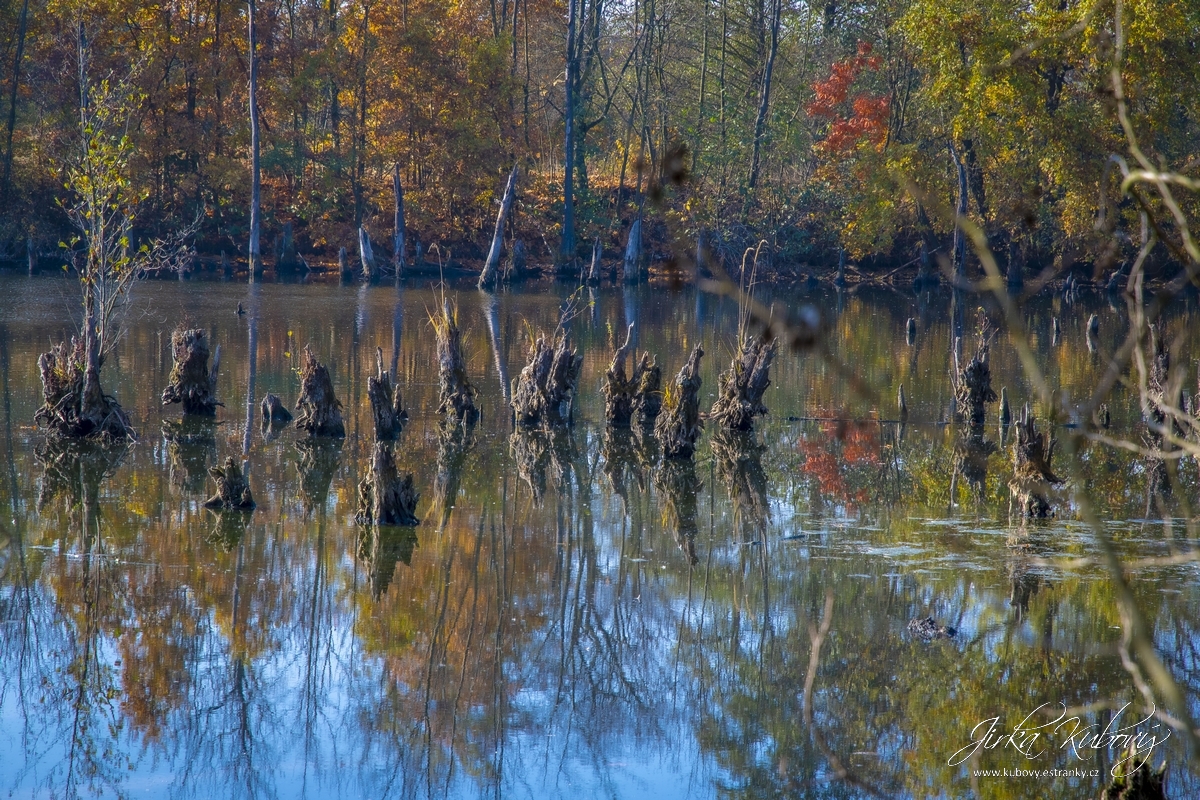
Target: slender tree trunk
(567, 248)
(760, 124)
(5, 184)
(255, 176)
(398, 237)
(491, 268)
(960, 243)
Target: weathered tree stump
(74, 406)
(274, 413)
(384, 497)
(1032, 475)
(1135, 779)
(456, 394)
(192, 383)
(619, 389)
(647, 398)
(387, 408)
(740, 388)
(679, 426)
(233, 488)
(544, 395)
(974, 388)
(319, 411)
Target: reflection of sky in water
(557, 646)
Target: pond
(572, 618)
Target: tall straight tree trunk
(764, 104)
(255, 175)
(491, 268)
(960, 243)
(398, 236)
(567, 247)
(5, 184)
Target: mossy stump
(74, 406)
(679, 425)
(455, 392)
(384, 497)
(1032, 475)
(544, 394)
(387, 407)
(974, 388)
(192, 383)
(740, 388)
(233, 488)
(319, 411)
(274, 413)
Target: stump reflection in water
(971, 452)
(191, 445)
(229, 528)
(382, 548)
(738, 457)
(384, 497)
(192, 383)
(628, 454)
(679, 490)
(536, 453)
(455, 442)
(319, 462)
(73, 470)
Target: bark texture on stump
(384, 497)
(387, 407)
(233, 489)
(1032, 475)
(455, 391)
(274, 412)
(544, 395)
(320, 412)
(647, 399)
(740, 388)
(678, 426)
(974, 388)
(628, 396)
(74, 404)
(192, 383)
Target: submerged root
(384, 497)
(387, 408)
(974, 388)
(679, 488)
(320, 412)
(740, 388)
(679, 426)
(233, 488)
(74, 406)
(455, 392)
(192, 383)
(628, 455)
(1032, 475)
(544, 395)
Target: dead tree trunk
(678, 427)
(320, 412)
(545, 392)
(31, 258)
(1032, 475)
(255, 255)
(344, 265)
(633, 251)
(233, 488)
(740, 388)
(387, 408)
(974, 388)
(491, 267)
(618, 389)
(399, 226)
(192, 383)
(518, 262)
(385, 498)
(593, 276)
(455, 391)
(366, 254)
(74, 405)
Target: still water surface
(572, 618)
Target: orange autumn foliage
(864, 117)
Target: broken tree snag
(319, 411)
(274, 413)
(366, 254)
(387, 408)
(647, 398)
(678, 426)
(619, 389)
(384, 497)
(593, 274)
(1032, 475)
(740, 388)
(74, 406)
(192, 383)
(233, 488)
(545, 392)
(974, 388)
(456, 393)
(491, 267)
